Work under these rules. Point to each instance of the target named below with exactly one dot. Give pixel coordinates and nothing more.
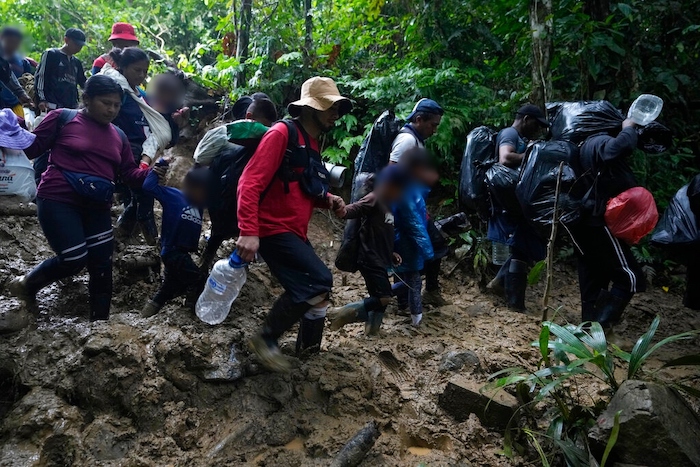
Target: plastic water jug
(223, 286)
(499, 253)
(645, 109)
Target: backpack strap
(284, 171)
(66, 116)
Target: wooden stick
(550, 246)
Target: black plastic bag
(678, 227)
(576, 121)
(654, 138)
(501, 182)
(480, 148)
(350, 247)
(376, 148)
(536, 190)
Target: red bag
(632, 214)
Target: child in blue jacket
(182, 227)
(412, 240)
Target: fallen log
(358, 447)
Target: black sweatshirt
(376, 231)
(57, 79)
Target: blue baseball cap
(426, 106)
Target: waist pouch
(315, 179)
(90, 186)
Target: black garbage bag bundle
(576, 121)
(536, 190)
(501, 182)
(654, 138)
(480, 148)
(375, 149)
(678, 228)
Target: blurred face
(136, 73)
(426, 175)
(195, 194)
(123, 44)
(11, 45)
(389, 193)
(103, 108)
(326, 120)
(72, 47)
(427, 127)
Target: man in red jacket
(281, 185)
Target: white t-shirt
(402, 143)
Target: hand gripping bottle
(222, 288)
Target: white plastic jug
(223, 286)
(645, 109)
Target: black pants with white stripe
(604, 260)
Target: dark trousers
(378, 287)
(138, 206)
(81, 237)
(432, 267)
(692, 284)
(181, 277)
(602, 260)
(303, 275)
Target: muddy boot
(150, 309)
(516, 285)
(310, 335)
(434, 298)
(149, 231)
(269, 354)
(99, 306)
(18, 288)
(610, 306)
(14, 320)
(126, 225)
(350, 313)
(374, 323)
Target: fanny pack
(90, 186)
(315, 179)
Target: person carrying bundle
(603, 170)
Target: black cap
(77, 35)
(531, 110)
(240, 107)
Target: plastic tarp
(576, 121)
(654, 138)
(246, 132)
(375, 150)
(16, 175)
(536, 189)
(501, 182)
(632, 214)
(480, 148)
(679, 225)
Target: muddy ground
(142, 392)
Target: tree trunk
(541, 25)
(243, 39)
(308, 35)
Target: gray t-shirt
(510, 137)
(402, 143)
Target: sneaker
(18, 288)
(150, 309)
(434, 299)
(416, 319)
(269, 356)
(13, 320)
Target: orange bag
(632, 214)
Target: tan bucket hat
(320, 94)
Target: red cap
(123, 31)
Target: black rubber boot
(374, 323)
(283, 315)
(310, 335)
(126, 224)
(99, 306)
(609, 308)
(588, 312)
(516, 285)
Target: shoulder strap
(66, 116)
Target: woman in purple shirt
(77, 224)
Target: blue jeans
(81, 237)
(411, 294)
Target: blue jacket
(182, 222)
(411, 227)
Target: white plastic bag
(211, 145)
(16, 175)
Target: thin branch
(550, 246)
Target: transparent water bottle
(500, 253)
(223, 286)
(645, 109)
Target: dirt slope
(139, 392)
